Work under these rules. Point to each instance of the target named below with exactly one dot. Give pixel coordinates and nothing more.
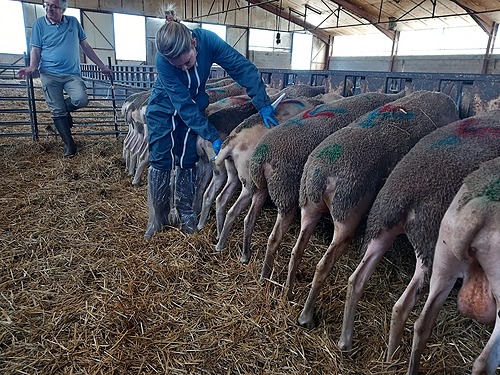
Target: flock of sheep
(407, 162)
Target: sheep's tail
(465, 228)
(312, 185)
(257, 164)
(387, 212)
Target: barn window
(301, 51)
(443, 41)
(130, 37)
(220, 30)
(12, 27)
(267, 40)
(74, 12)
(362, 45)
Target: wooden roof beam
(368, 16)
(486, 23)
(320, 34)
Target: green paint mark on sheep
(493, 191)
(330, 153)
(448, 141)
(260, 153)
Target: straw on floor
(81, 292)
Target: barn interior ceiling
(326, 18)
(347, 17)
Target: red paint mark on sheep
(468, 128)
(317, 112)
(390, 108)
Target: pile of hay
(81, 292)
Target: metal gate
(24, 113)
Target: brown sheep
(344, 173)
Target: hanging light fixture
(392, 23)
(278, 34)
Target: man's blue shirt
(59, 43)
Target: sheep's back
(287, 146)
(428, 177)
(364, 153)
(483, 182)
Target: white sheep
(226, 116)
(468, 247)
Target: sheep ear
(278, 101)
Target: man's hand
(25, 72)
(107, 72)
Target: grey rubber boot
(185, 189)
(158, 201)
(63, 128)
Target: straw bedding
(81, 292)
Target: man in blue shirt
(175, 114)
(55, 51)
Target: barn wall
(238, 38)
(222, 12)
(99, 29)
(423, 64)
(100, 35)
(265, 59)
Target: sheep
(413, 201)
(344, 173)
(468, 248)
(277, 163)
(137, 134)
(226, 117)
(328, 97)
(235, 154)
(218, 93)
(229, 102)
(219, 82)
(135, 149)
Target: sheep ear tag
(278, 101)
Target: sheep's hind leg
(442, 282)
(310, 217)
(281, 225)
(342, 237)
(241, 203)
(403, 307)
(375, 250)
(258, 200)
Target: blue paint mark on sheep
(448, 141)
(387, 111)
(493, 191)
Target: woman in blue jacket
(175, 114)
